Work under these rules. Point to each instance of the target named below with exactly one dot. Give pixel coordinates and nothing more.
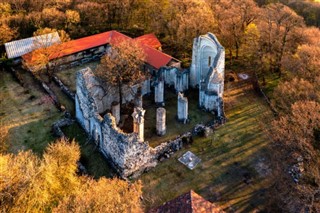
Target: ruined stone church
(129, 153)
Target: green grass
(227, 156)
(271, 82)
(68, 76)
(63, 98)
(91, 158)
(174, 128)
(27, 113)
(30, 121)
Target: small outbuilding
(18, 48)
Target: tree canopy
(51, 183)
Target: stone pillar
(161, 121)
(182, 108)
(159, 92)
(138, 122)
(115, 108)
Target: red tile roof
(189, 202)
(150, 40)
(154, 57)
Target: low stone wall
(64, 88)
(56, 127)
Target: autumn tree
(72, 19)
(233, 18)
(53, 18)
(196, 20)
(32, 184)
(296, 143)
(278, 35)
(288, 92)
(93, 17)
(305, 63)
(104, 195)
(45, 50)
(122, 65)
(6, 33)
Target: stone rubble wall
(126, 154)
(64, 88)
(104, 96)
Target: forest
(277, 40)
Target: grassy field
(174, 127)
(234, 168)
(91, 158)
(68, 76)
(28, 113)
(271, 82)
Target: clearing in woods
(234, 170)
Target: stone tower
(207, 72)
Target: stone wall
(207, 72)
(104, 96)
(127, 155)
(175, 77)
(83, 57)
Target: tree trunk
(230, 55)
(237, 50)
(120, 93)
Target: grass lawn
(29, 116)
(174, 128)
(91, 158)
(27, 112)
(234, 167)
(68, 76)
(271, 82)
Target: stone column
(159, 92)
(161, 121)
(138, 122)
(182, 108)
(115, 108)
